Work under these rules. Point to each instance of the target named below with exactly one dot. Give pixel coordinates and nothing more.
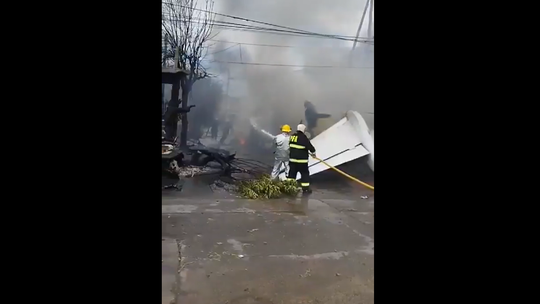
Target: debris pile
(190, 171)
(199, 159)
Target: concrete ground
(219, 249)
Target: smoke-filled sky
(278, 93)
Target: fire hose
(344, 174)
(322, 161)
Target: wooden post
(186, 89)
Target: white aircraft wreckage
(347, 140)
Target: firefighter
(281, 155)
(299, 148)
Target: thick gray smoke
(207, 96)
(276, 94)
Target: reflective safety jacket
(299, 145)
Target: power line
(235, 24)
(256, 21)
(269, 45)
(223, 50)
(257, 44)
(267, 30)
(291, 65)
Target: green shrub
(265, 188)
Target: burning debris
(198, 159)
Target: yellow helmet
(286, 128)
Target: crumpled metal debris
(203, 160)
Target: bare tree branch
(182, 32)
(189, 37)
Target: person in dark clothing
(225, 133)
(312, 117)
(214, 128)
(299, 148)
(171, 121)
(227, 127)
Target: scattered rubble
(198, 159)
(190, 171)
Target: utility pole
(361, 22)
(228, 79)
(370, 21)
(369, 4)
(164, 51)
(227, 99)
